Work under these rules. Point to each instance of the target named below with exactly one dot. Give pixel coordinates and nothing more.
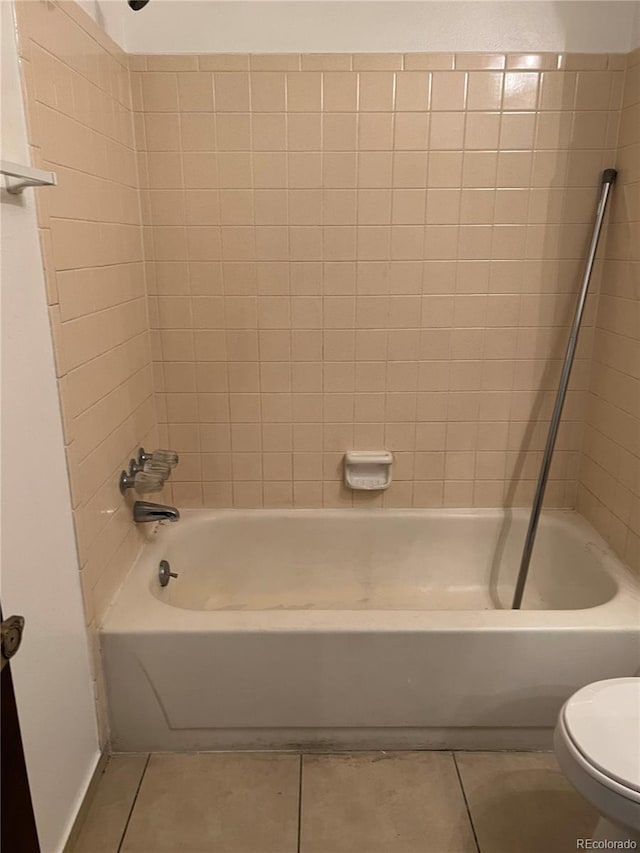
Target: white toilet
(597, 744)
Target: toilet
(597, 744)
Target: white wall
(635, 30)
(182, 26)
(40, 578)
(111, 15)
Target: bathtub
(362, 629)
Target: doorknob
(11, 631)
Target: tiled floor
(373, 802)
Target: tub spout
(144, 511)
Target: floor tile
(404, 802)
(110, 807)
(521, 803)
(216, 803)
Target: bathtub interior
(379, 561)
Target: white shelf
(20, 177)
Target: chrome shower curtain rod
(608, 178)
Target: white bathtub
(372, 629)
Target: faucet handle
(166, 457)
(148, 481)
(149, 471)
(157, 468)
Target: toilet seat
(602, 723)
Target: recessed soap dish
(367, 470)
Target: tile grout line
(466, 802)
(300, 804)
(133, 804)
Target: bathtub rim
(135, 609)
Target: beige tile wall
(609, 493)
(80, 125)
(340, 252)
(369, 251)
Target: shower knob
(147, 481)
(167, 457)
